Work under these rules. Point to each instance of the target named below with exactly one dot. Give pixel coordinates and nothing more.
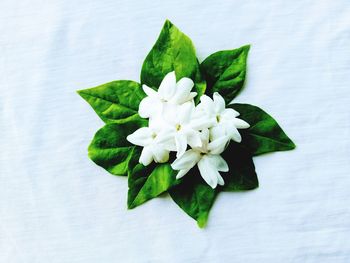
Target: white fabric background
(57, 206)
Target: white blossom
(208, 159)
(149, 138)
(198, 134)
(169, 92)
(226, 121)
(182, 127)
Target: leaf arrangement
(117, 104)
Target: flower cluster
(198, 134)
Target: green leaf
(225, 72)
(147, 182)
(115, 102)
(264, 134)
(241, 175)
(173, 51)
(110, 149)
(194, 196)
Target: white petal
(207, 104)
(241, 124)
(199, 111)
(219, 102)
(181, 144)
(170, 113)
(183, 89)
(186, 161)
(149, 106)
(141, 137)
(192, 95)
(178, 114)
(160, 154)
(156, 122)
(217, 132)
(170, 145)
(168, 86)
(218, 162)
(182, 173)
(205, 135)
(233, 133)
(220, 180)
(167, 133)
(229, 114)
(185, 85)
(149, 91)
(184, 112)
(219, 145)
(208, 172)
(146, 156)
(203, 122)
(167, 139)
(206, 100)
(194, 139)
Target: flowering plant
(176, 123)
(178, 132)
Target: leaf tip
(245, 49)
(201, 224)
(130, 206)
(168, 23)
(82, 94)
(79, 92)
(292, 145)
(202, 221)
(247, 46)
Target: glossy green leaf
(110, 149)
(225, 72)
(115, 102)
(173, 51)
(147, 182)
(242, 175)
(194, 196)
(264, 134)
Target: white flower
(208, 159)
(225, 118)
(169, 92)
(176, 123)
(149, 138)
(181, 129)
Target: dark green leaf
(194, 196)
(173, 51)
(147, 182)
(115, 102)
(242, 175)
(264, 134)
(110, 149)
(225, 72)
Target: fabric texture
(56, 205)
